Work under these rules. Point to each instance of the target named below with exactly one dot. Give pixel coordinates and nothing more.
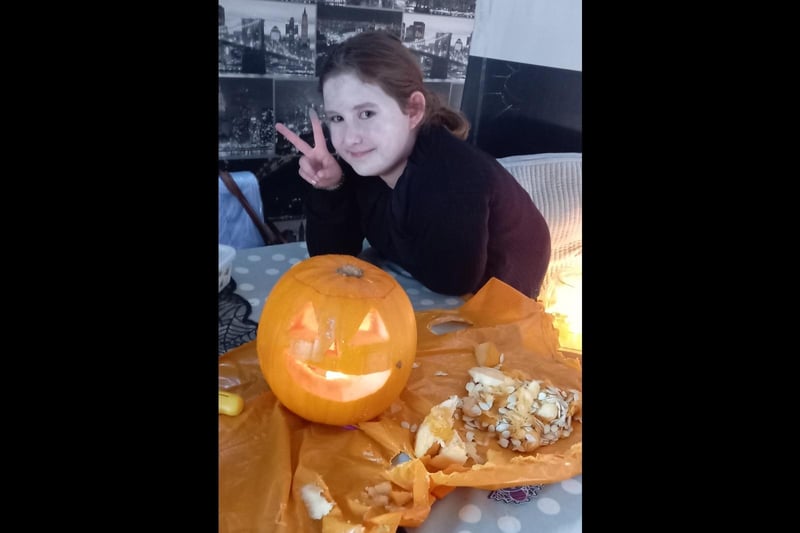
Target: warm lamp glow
(563, 299)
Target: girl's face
(368, 128)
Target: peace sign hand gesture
(317, 165)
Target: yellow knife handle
(230, 403)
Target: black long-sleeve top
(455, 218)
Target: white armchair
(555, 181)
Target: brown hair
(380, 58)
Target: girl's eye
(334, 118)
(366, 114)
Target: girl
(404, 178)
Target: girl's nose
(352, 135)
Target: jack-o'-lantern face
(314, 357)
(336, 339)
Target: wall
(523, 88)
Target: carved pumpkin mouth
(333, 385)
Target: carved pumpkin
(336, 339)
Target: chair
(554, 182)
(236, 229)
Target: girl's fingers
(307, 166)
(293, 138)
(331, 169)
(308, 177)
(316, 125)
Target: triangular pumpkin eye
(371, 330)
(304, 324)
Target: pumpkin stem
(350, 270)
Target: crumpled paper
(267, 453)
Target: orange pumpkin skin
(336, 340)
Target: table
(544, 509)
(257, 269)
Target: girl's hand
(317, 165)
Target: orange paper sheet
(267, 454)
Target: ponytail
(440, 114)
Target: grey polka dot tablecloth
(257, 269)
(552, 508)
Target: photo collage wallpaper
(269, 52)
